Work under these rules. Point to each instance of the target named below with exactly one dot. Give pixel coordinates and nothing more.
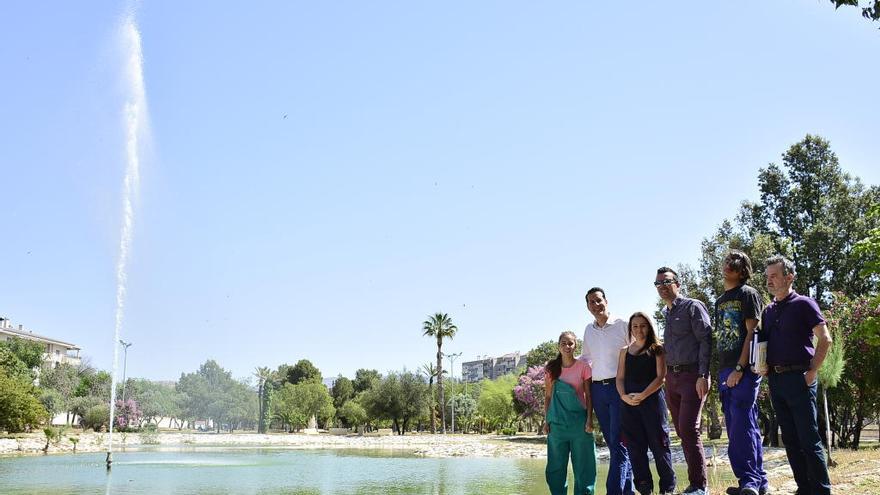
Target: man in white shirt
(603, 340)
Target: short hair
(664, 269)
(787, 264)
(596, 289)
(739, 261)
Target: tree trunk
(431, 409)
(831, 462)
(440, 382)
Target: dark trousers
(606, 403)
(685, 406)
(644, 427)
(744, 449)
(795, 405)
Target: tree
(465, 408)
(303, 371)
(440, 327)
(20, 408)
(871, 11)
(815, 213)
(294, 404)
(430, 371)
(529, 393)
(496, 402)
(399, 397)
(29, 352)
(155, 399)
(212, 393)
(545, 351)
(853, 403)
(343, 391)
(263, 375)
(353, 414)
(365, 379)
(63, 379)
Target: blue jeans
(606, 403)
(744, 447)
(795, 404)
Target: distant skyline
(322, 177)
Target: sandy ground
(520, 446)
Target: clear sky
(324, 175)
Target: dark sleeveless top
(641, 370)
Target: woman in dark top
(640, 374)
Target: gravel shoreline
(425, 445)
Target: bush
(508, 431)
(20, 408)
(96, 417)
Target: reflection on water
(273, 471)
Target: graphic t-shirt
(732, 310)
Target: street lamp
(452, 380)
(125, 346)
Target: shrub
(96, 417)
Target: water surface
(275, 471)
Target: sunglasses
(668, 281)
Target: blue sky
(321, 177)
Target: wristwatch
(739, 368)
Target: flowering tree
(127, 414)
(853, 403)
(529, 394)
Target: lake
(209, 470)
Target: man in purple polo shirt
(687, 339)
(789, 324)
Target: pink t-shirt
(575, 375)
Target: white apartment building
(56, 351)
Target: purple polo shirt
(788, 327)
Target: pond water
(274, 471)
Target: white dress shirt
(602, 347)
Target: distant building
(56, 351)
(491, 367)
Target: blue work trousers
(606, 403)
(744, 449)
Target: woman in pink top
(569, 421)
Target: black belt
(787, 369)
(677, 368)
(607, 381)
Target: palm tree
(440, 326)
(430, 372)
(263, 375)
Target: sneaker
(695, 490)
(734, 490)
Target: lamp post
(452, 358)
(125, 346)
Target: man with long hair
(736, 315)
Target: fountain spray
(135, 130)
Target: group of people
(628, 378)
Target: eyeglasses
(668, 281)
